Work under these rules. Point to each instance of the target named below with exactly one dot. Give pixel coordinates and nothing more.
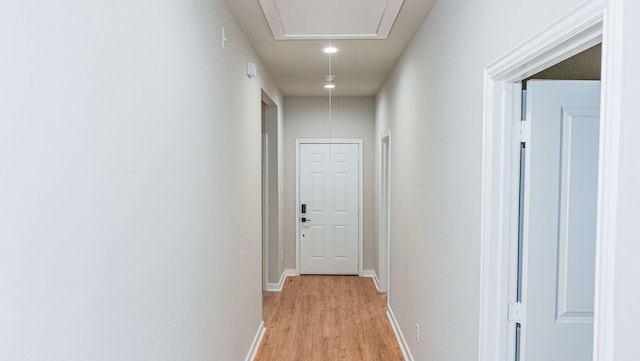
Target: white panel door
(560, 220)
(328, 186)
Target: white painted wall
(129, 182)
(627, 268)
(308, 118)
(433, 104)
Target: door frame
(265, 211)
(272, 256)
(360, 194)
(384, 225)
(587, 24)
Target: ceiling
(369, 39)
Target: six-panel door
(328, 186)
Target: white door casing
(329, 182)
(265, 211)
(384, 224)
(561, 184)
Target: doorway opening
(384, 201)
(551, 299)
(581, 29)
(271, 247)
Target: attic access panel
(335, 19)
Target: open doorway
(384, 223)
(580, 30)
(271, 247)
(551, 297)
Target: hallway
(327, 318)
(131, 187)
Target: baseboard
(372, 274)
(257, 341)
(277, 287)
(406, 352)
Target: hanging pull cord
(331, 106)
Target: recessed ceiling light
(329, 86)
(330, 50)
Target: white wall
(433, 104)
(308, 118)
(129, 182)
(627, 268)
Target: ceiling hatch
(331, 19)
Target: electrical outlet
(417, 333)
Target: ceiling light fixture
(329, 78)
(330, 50)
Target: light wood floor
(327, 318)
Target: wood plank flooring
(323, 318)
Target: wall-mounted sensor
(252, 70)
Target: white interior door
(561, 185)
(329, 193)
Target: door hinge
(525, 132)
(515, 312)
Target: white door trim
(384, 242)
(584, 26)
(360, 194)
(265, 211)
